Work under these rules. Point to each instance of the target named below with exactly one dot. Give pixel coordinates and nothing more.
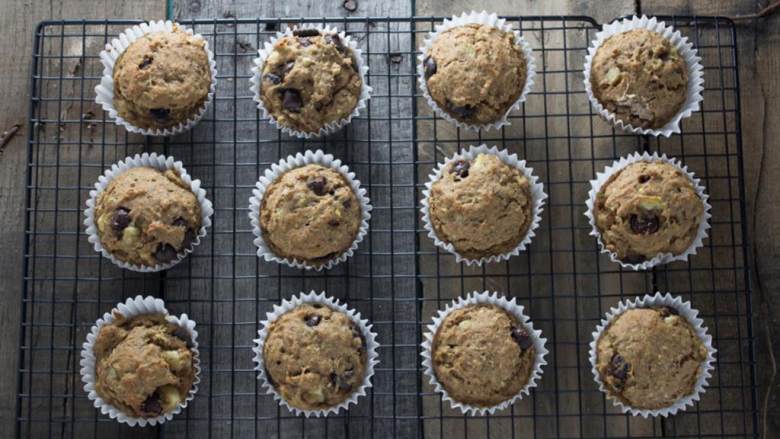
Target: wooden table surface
(759, 53)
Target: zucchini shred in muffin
(162, 79)
(314, 356)
(142, 367)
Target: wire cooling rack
(398, 278)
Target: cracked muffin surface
(162, 79)
(310, 214)
(649, 358)
(314, 356)
(147, 217)
(475, 72)
(640, 77)
(141, 366)
(483, 207)
(309, 80)
(648, 208)
(482, 355)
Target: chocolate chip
(430, 67)
(272, 77)
(121, 219)
(335, 39)
(291, 100)
(317, 185)
(165, 253)
(667, 311)
(644, 225)
(644, 179)
(161, 114)
(522, 338)
(634, 259)
(334, 223)
(341, 382)
(147, 61)
(357, 334)
(152, 404)
(463, 112)
(189, 236)
(347, 203)
(306, 32)
(312, 320)
(304, 42)
(179, 222)
(461, 168)
(619, 368)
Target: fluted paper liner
(686, 311)
(537, 194)
(512, 308)
(130, 308)
(161, 163)
(661, 258)
(694, 96)
(104, 92)
(372, 357)
(274, 172)
(491, 20)
(362, 69)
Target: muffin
(482, 355)
(650, 358)
(475, 72)
(646, 209)
(309, 80)
(310, 214)
(314, 356)
(640, 77)
(146, 217)
(162, 79)
(482, 207)
(142, 367)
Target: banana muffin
(483, 207)
(309, 80)
(310, 214)
(648, 208)
(315, 357)
(162, 79)
(147, 217)
(649, 358)
(482, 355)
(141, 366)
(475, 72)
(640, 77)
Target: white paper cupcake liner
(362, 69)
(291, 162)
(661, 258)
(692, 60)
(161, 163)
(104, 92)
(691, 315)
(537, 194)
(511, 307)
(372, 357)
(484, 18)
(130, 308)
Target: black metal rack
(397, 278)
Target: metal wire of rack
(397, 278)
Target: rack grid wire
(397, 278)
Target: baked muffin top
(482, 355)
(649, 358)
(162, 79)
(483, 207)
(309, 80)
(315, 356)
(648, 208)
(146, 217)
(310, 214)
(640, 77)
(141, 366)
(475, 72)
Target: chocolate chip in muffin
(430, 67)
(165, 253)
(272, 77)
(334, 223)
(522, 338)
(335, 39)
(306, 32)
(317, 185)
(312, 320)
(463, 112)
(644, 179)
(121, 219)
(341, 382)
(347, 203)
(644, 225)
(152, 404)
(667, 311)
(146, 62)
(461, 168)
(292, 100)
(160, 114)
(619, 368)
